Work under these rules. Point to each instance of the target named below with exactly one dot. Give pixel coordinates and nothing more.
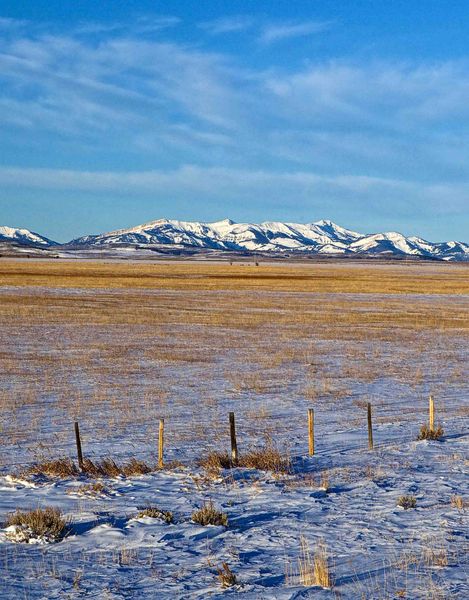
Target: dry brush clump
(40, 525)
(407, 502)
(226, 576)
(426, 433)
(208, 514)
(94, 489)
(65, 467)
(155, 513)
(61, 467)
(267, 458)
(459, 502)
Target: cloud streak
(285, 31)
(199, 184)
(233, 24)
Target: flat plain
(118, 345)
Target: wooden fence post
(78, 441)
(161, 444)
(370, 428)
(311, 431)
(431, 414)
(234, 445)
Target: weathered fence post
(234, 445)
(78, 441)
(370, 428)
(311, 431)
(431, 414)
(161, 444)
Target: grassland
(118, 345)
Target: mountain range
(271, 238)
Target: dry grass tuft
(407, 502)
(90, 489)
(321, 566)
(430, 434)
(42, 524)
(314, 570)
(458, 502)
(109, 468)
(226, 576)
(267, 458)
(62, 467)
(214, 462)
(208, 514)
(135, 467)
(156, 513)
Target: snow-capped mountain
(24, 237)
(320, 237)
(228, 235)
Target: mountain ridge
(270, 237)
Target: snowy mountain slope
(24, 237)
(320, 237)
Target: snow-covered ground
(118, 360)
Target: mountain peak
(226, 222)
(24, 237)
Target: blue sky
(116, 113)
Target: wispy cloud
(233, 24)
(279, 32)
(7, 23)
(304, 189)
(281, 133)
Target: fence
(432, 433)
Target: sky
(115, 113)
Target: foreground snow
(377, 549)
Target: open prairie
(118, 345)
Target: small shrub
(36, 526)
(407, 502)
(458, 502)
(430, 434)
(90, 489)
(324, 483)
(156, 513)
(226, 576)
(209, 515)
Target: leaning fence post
(370, 428)
(78, 441)
(161, 444)
(431, 414)
(311, 431)
(234, 445)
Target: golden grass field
(395, 278)
(118, 344)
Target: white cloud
(297, 188)
(279, 32)
(233, 24)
